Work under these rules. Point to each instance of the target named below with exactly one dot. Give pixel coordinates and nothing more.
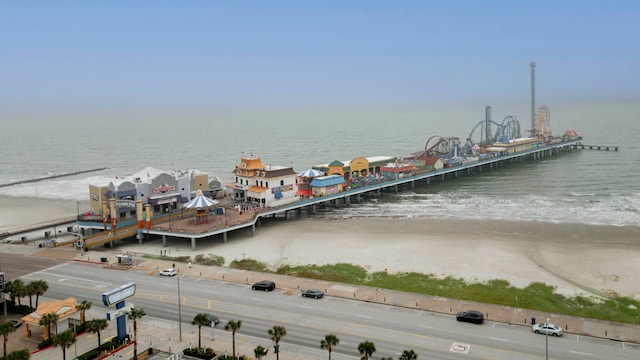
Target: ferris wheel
(544, 120)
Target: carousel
(202, 204)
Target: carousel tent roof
(200, 201)
(311, 173)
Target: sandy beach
(576, 259)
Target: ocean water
(584, 186)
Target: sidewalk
(163, 336)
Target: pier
(51, 176)
(596, 147)
(177, 226)
(53, 224)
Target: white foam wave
(602, 209)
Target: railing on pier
(596, 147)
(34, 227)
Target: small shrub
(250, 264)
(209, 260)
(45, 343)
(200, 353)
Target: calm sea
(587, 186)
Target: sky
(106, 55)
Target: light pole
(546, 340)
(75, 334)
(179, 311)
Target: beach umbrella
(200, 201)
(310, 173)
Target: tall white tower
(533, 98)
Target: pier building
(158, 191)
(262, 185)
(359, 167)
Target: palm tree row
(17, 289)
(276, 333)
(367, 348)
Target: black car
(471, 316)
(313, 293)
(266, 285)
(213, 320)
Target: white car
(168, 272)
(547, 328)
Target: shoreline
(574, 258)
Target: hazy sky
(210, 54)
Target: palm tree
(135, 314)
(200, 319)
(95, 326)
(366, 349)
(48, 320)
(30, 291)
(277, 333)
(233, 326)
(16, 288)
(40, 287)
(6, 328)
(329, 341)
(259, 352)
(65, 339)
(23, 354)
(408, 355)
(83, 307)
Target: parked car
(472, 316)
(213, 320)
(168, 272)
(313, 293)
(547, 328)
(266, 285)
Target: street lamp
(546, 340)
(179, 310)
(75, 334)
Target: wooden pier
(596, 147)
(53, 224)
(232, 222)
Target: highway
(391, 329)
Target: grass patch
(536, 296)
(182, 259)
(209, 260)
(251, 265)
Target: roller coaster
(507, 130)
(449, 148)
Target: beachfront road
(391, 329)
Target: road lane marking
(499, 339)
(580, 353)
(65, 277)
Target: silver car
(547, 328)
